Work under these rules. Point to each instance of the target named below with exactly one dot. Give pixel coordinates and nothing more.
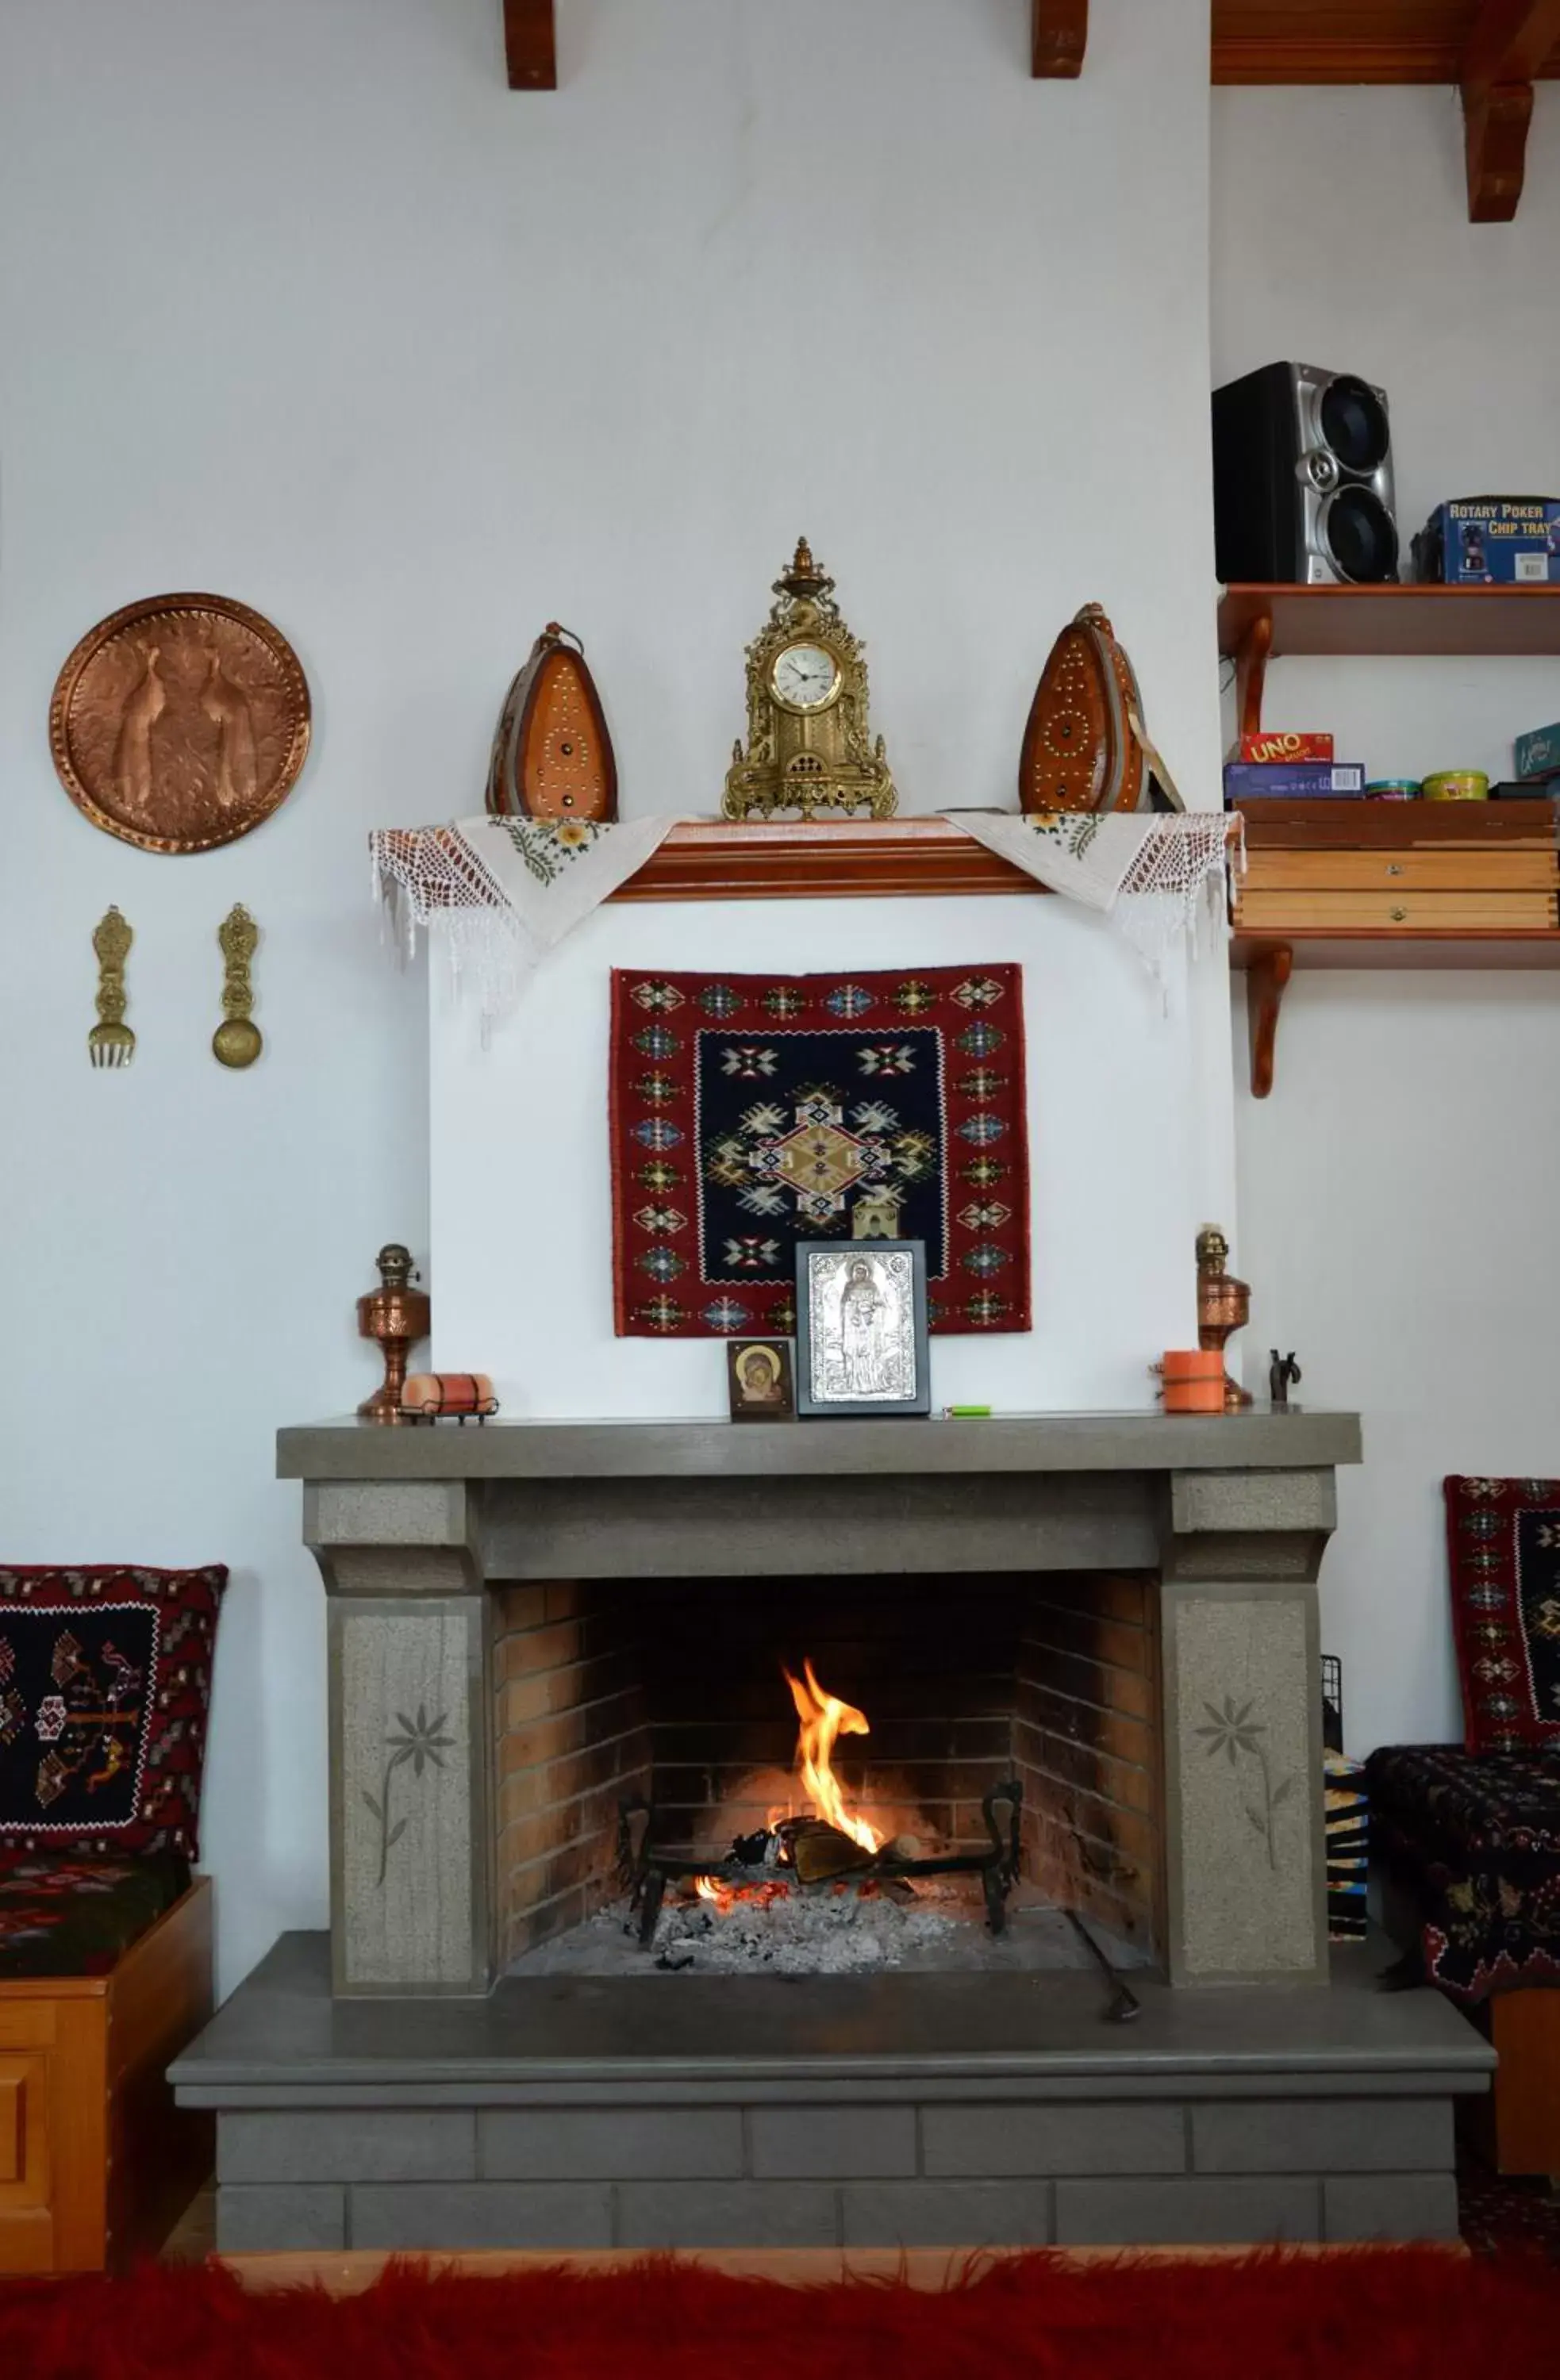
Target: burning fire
(825, 1718)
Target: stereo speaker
(1302, 479)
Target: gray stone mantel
(640, 1449)
(412, 1526)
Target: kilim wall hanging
(752, 1111)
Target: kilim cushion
(77, 1913)
(1473, 1845)
(104, 1679)
(1503, 1538)
(752, 1111)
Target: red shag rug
(1397, 2312)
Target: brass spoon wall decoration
(238, 1040)
(111, 1041)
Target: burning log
(820, 1851)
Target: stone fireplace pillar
(413, 1529)
(410, 1735)
(1245, 1822)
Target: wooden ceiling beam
(1059, 35)
(1507, 46)
(530, 48)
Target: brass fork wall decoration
(111, 1041)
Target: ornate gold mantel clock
(807, 741)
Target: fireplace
(1118, 1609)
(534, 1624)
(659, 1720)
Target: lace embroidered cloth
(507, 891)
(1158, 878)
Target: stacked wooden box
(1418, 871)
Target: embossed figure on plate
(180, 723)
(863, 1334)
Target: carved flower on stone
(420, 1740)
(1233, 1731)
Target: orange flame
(824, 1719)
(709, 1887)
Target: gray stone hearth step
(921, 2110)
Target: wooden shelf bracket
(1251, 657)
(1059, 35)
(1508, 45)
(530, 48)
(1267, 978)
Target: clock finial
(805, 580)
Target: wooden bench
(96, 2162)
(1517, 2128)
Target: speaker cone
(1354, 424)
(1360, 536)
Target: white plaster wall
(1016, 418)
(299, 303)
(1395, 1188)
(1113, 1192)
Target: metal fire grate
(767, 1856)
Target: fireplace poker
(1124, 2005)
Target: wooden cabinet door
(26, 2229)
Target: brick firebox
(673, 1687)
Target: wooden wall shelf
(1369, 40)
(1257, 624)
(1389, 884)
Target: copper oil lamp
(1224, 1306)
(396, 1316)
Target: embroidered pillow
(1503, 1538)
(104, 1679)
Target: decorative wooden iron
(552, 755)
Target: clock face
(805, 677)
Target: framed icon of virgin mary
(861, 1329)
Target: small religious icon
(1224, 1306)
(761, 1378)
(1284, 1374)
(861, 1329)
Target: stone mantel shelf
(1259, 1440)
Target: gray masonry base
(864, 2112)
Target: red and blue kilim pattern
(1504, 1539)
(752, 1111)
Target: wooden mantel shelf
(783, 859)
(829, 859)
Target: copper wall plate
(180, 723)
